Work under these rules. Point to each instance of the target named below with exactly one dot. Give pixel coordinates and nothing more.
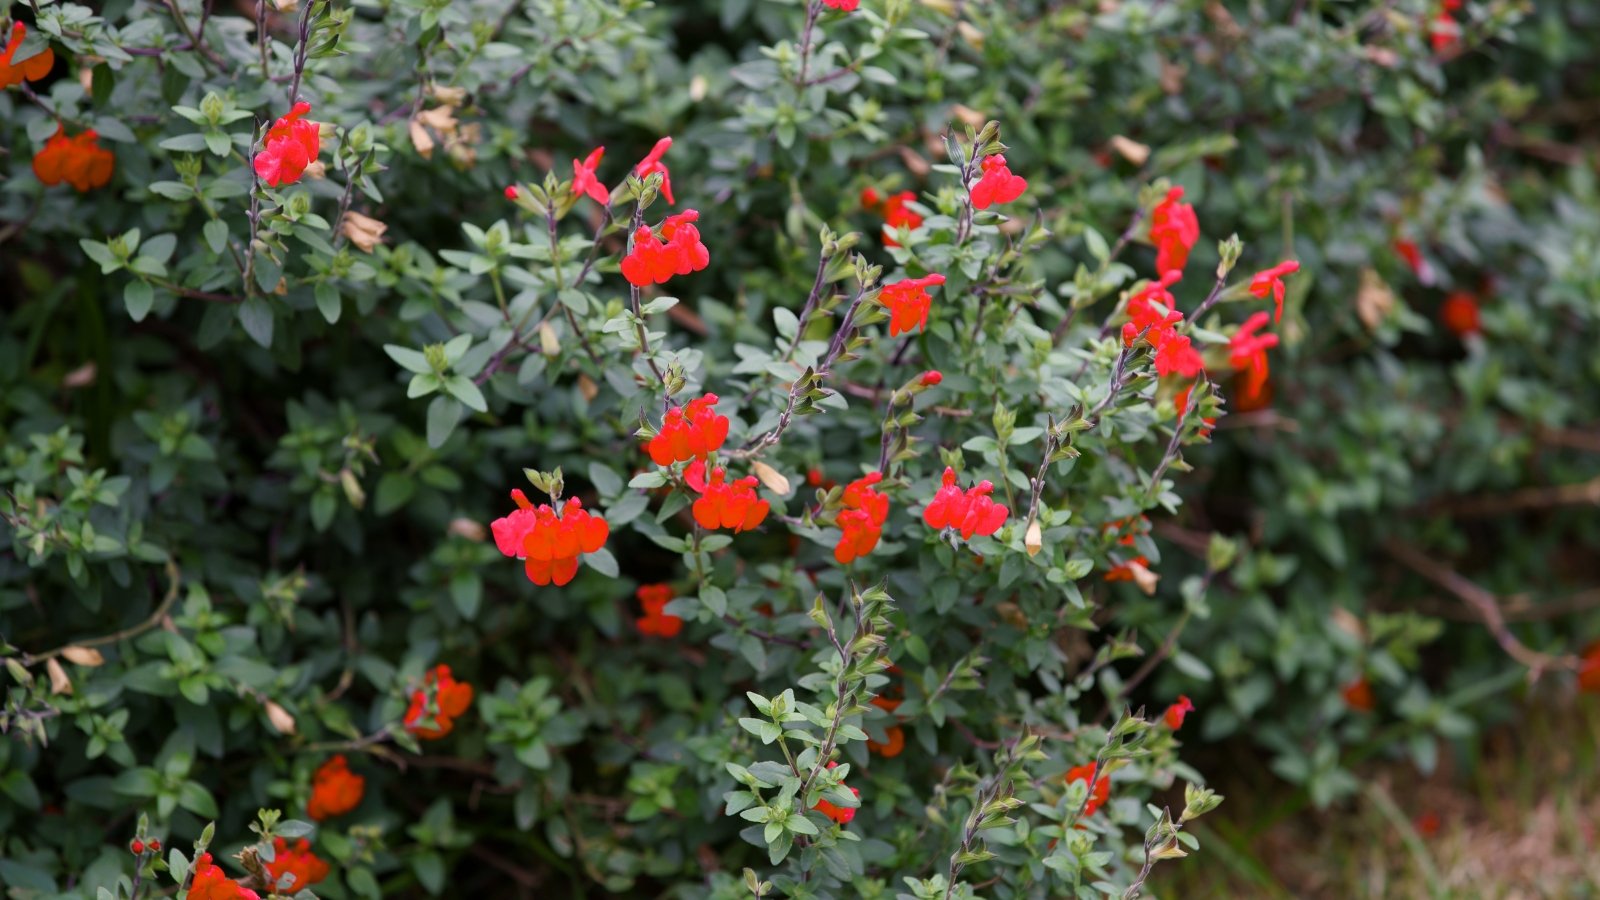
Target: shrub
(847, 419)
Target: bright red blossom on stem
(291, 144)
(998, 184)
(656, 623)
(586, 183)
(452, 698)
(1270, 282)
(1176, 355)
(511, 192)
(297, 861)
(840, 814)
(653, 261)
(550, 544)
(651, 164)
(1124, 571)
(1247, 352)
(908, 303)
(930, 378)
(1152, 309)
(894, 210)
(865, 511)
(1176, 712)
(1358, 695)
(1174, 230)
(970, 512)
(1099, 789)
(211, 883)
(842, 5)
(722, 504)
(335, 790)
(31, 69)
(79, 161)
(689, 432)
(1459, 313)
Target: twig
(1587, 492)
(174, 576)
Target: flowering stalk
(633, 300)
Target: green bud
(211, 107)
(1221, 553)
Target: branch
(173, 575)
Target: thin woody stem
(633, 300)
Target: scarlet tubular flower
(296, 861)
(689, 432)
(725, 505)
(1124, 571)
(1152, 309)
(970, 512)
(894, 743)
(79, 161)
(1176, 712)
(291, 144)
(1358, 695)
(1247, 352)
(1099, 789)
(1589, 672)
(1270, 281)
(653, 260)
(31, 69)
(1445, 34)
(895, 212)
(549, 545)
(908, 303)
(862, 519)
(1176, 355)
(584, 180)
(656, 623)
(652, 164)
(842, 5)
(211, 883)
(1174, 230)
(998, 184)
(1460, 314)
(840, 814)
(452, 698)
(335, 790)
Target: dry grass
(1521, 822)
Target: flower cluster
(1099, 788)
(896, 214)
(843, 815)
(724, 504)
(335, 790)
(865, 511)
(549, 544)
(908, 303)
(969, 512)
(79, 161)
(652, 165)
(655, 622)
(584, 180)
(689, 432)
(1174, 230)
(451, 698)
(654, 260)
(296, 861)
(1269, 282)
(291, 145)
(998, 184)
(31, 69)
(1152, 315)
(209, 882)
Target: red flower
(1270, 281)
(842, 5)
(335, 790)
(1134, 526)
(998, 184)
(1589, 672)
(1175, 713)
(298, 862)
(724, 505)
(451, 697)
(1358, 695)
(1175, 355)
(1247, 351)
(815, 478)
(31, 69)
(291, 144)
(840, 814)
(908, 303)
(970, 513)
(652, 164)
(1180, 402)
(689, 432)
(655, 622)
(653, 261)
(1123, 571)
(79, 161)
(1174, 230)
(584, 180)
(930, 378)
(1099, 791)
(894, 210)
(1445, 34)
(511, 192)
(1460, 314)
(1428, 824)
(1152, 309)
(862, 519)
(211, 883)
(894, 742)
(550, 545)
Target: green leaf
(430, 871)
(443, 414)
(410, 360)
(216, 234)
(256, 316)
(323, 508)
(138, 296)
(462, 388)
(328, 302)
(606, 481)
(603, 562)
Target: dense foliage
(845, 483)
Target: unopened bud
(1033, 541)
(137, 847)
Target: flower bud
(1033, 541)
(137, 847)
(155, 845)
(930, 378)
